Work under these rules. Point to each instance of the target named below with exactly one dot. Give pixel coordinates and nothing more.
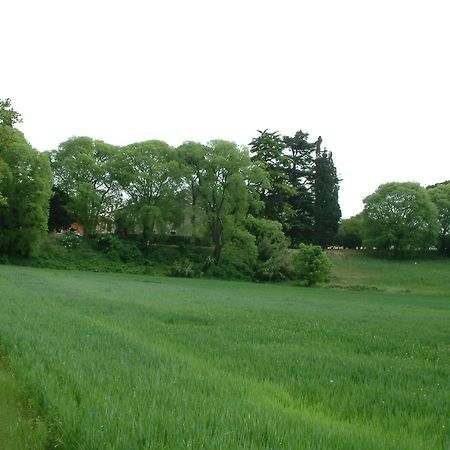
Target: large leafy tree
(3, 201)
(350, 233)
(8, 116)
(25, 187)
(440, 195)
(228, 189)
(400, 217)
(327, 212)
(192, 160)
(87, 169)
(150, 178)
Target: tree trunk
(218, 239)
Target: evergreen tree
(327, 212)
(268, 150)
(301, 177)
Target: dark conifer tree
(327, 212)
(301, 177)
(268, 150)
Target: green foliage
(125, 221)
(3, 199)
(109, 253)
(120, 249)
(440, 196)
(8, 117)
(25, 187)
(87, 170)
(268, 150)
(227, 189)
(303, 191)
(59, 217)
(327, 212)
(311, 264)
(400, 217)
(274, 260)
(183, 268)
(150, 178)
(192, 160)
(351, 232)
(71, 240)
(239, 254)
(301, 173)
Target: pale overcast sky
(371, 77)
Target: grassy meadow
(129, 362)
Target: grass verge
(20, 429)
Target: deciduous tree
(228, 188)
(87, 170)
(8, 116)
(150, 177)
(350, 233)
(25, 185)
(440, 195)
(400, 217)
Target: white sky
(371, 77)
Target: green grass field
(115, 361)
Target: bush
(311, 265)
(183, 268)
(278, 267)
(240, 251)
(120, 249)
(71, 240)
(274, 261)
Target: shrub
(311, 265)
(274, 261)
(71, 240)
(183, 268)
(117, 248)
(276, 268)
(240, 251)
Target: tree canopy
(440, 196)
(400, 217)
(304, 186)
(149, 176)
(25, 189)
(87, 170)
(8, 116)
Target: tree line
(247, 203)
(401, 218)
(279, 190)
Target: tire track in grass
(266, 394)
